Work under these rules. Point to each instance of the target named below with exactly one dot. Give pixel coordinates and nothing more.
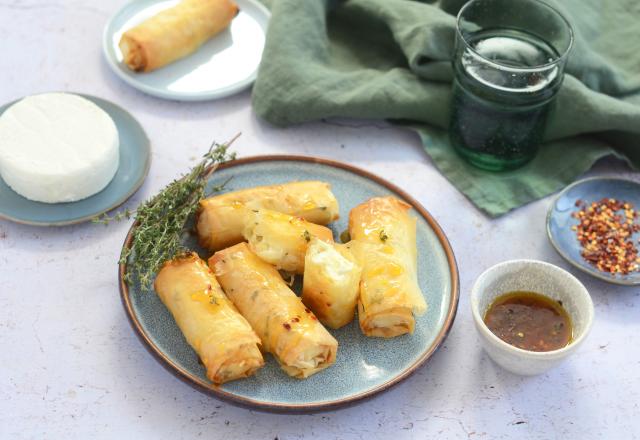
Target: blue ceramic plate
(560, 221)
(135, 157)
(226, 64)
(364, 366)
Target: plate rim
(134, 188)
(324, 405)
(173, 96)
(556, 246)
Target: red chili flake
(286, 325)
(296, 319)
(605, 231)
(307, 310)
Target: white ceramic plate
(226, 64)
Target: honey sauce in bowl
(529, 321)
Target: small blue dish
(560, 221)
(135, 159)
(364, 366)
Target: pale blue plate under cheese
(121, 178)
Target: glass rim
(511, 68)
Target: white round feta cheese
(57, 147)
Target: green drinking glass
(509, 64)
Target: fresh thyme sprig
(160, 221)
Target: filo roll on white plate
(174, 33)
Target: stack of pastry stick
(240, 306)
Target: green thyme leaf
(160, 221)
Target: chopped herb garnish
(345, 237)
(383, 236)
(288, 277)
(306, 236)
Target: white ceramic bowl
(531, 276)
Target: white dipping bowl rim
(478, 315)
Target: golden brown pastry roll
(221, 219)
(331, 282)
(288, 329)
(385, 243)
(281, 239)
(211, 324)
(174, 33)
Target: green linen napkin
(391, 59)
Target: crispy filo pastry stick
(221, 219)
(331, 282)
(384, 236)
(211, 324)
(288, 330)
(174, 33)
(281, 239)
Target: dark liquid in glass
(499, 116)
